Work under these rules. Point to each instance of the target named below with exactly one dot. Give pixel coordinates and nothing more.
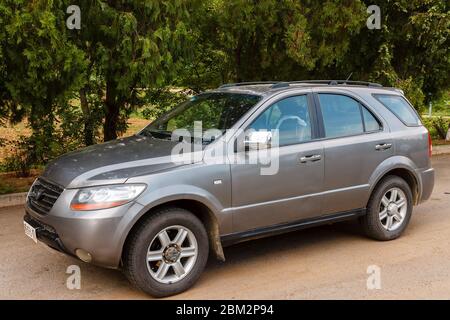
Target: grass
(10, 183)
(135, 124)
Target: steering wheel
(299, 120)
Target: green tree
(294, 40)
(278, 40)
(40, 67)
(130, 45)
(410, 51)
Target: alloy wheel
(171, 254)
(393, 209)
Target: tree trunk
(88, 123)
(112, 114)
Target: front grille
(43, 196)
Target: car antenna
(349, 76)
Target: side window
(400, 107)
(370, 122)
(289, 118)
(341, 115)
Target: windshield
(212, 110)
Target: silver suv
(256, 159)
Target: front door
(291, 192)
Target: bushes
(437, 127)
(20, 159)
(441, 126)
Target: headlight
(105, 196)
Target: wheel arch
(406, 173)
(197, 208)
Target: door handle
(312, 158)
(383, 146)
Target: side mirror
(257, 140)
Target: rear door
(355, 142)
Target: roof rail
(337, 82)
(283, 84)
(279, 85)
(237, 84)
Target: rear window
(400, 107)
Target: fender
(391, 163)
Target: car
(243, 161)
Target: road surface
(328, 262)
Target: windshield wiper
(167, 135)
(159, 134)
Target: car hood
(111, 162)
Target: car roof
(270, 87)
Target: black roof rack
(284, 84)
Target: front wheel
(167, 252)
(389, 209)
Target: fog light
(83, 255)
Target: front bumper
(45, 234)
(101, 233)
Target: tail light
(430, 145)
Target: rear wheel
(166, 254)
(389, 209)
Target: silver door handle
(383, 146)
(314, 157)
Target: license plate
(30, 231)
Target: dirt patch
(135, 125)
(11, 133)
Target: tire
(149, 237)
(375, 223)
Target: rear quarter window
(400, 107)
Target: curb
(12, 199)
(438, 150)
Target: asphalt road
(328, 262)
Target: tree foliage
(40, 67)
